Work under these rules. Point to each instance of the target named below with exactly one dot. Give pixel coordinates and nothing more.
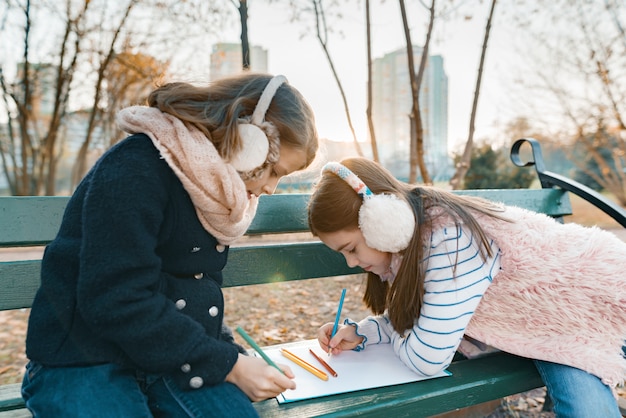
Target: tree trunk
(245, 46)
(370, 121)
(80, 167)
(464, 163)
(417, 129)
(322, 36)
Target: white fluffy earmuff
(254, 142)
(386, 220)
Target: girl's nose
(270, 186)
(267, 189)
(351, 261)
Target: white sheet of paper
(376, 366)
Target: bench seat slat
(10, 397)
(472, 382)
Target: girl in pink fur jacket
(442, 266)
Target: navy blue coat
(132, 277)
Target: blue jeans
(576, 393)
(110, 391)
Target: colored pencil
(323, 363)
(254, 345)
(306, 366)
(343, 295)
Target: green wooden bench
(28, 221)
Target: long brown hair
(216, 108)
(334, 206)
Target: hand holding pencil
(345, 338)
(253, 376)
(334, 338)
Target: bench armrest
(549, 179)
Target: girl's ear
(387, 222)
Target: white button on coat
(185, 368)
(213, 311)
(220, 248)
(198, 276)
(180, 304)
(196, 382)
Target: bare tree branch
(322, 37)
(80, 167)
(368, 111)
(417, 129)
(464, 164)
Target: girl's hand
(258, 380)
(345, 338)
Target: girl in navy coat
(128, 321)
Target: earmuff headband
(386, 220)
(349, 177)
(258, 116)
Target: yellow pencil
(308, 367)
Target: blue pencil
(343, 295)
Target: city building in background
(226, 60)
(391, 107)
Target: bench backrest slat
(28, 221)
(552, 202)
(284, 262)
(19, 281)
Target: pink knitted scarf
(216, 189)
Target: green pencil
(254, 345)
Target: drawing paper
(376, 366)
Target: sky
(300, 57)
(293, 50)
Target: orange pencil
(323, 363)
(308, 367)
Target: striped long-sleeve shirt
(456, 279)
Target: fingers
(287, 371)
(331, 345)
(258, 380)
(335, 344)
(323, 336)
(272, 384)
(345, 339)
(285, 381)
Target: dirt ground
(284, 312)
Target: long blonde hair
(334, 206)
(216, 108)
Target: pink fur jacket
(560, 295)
